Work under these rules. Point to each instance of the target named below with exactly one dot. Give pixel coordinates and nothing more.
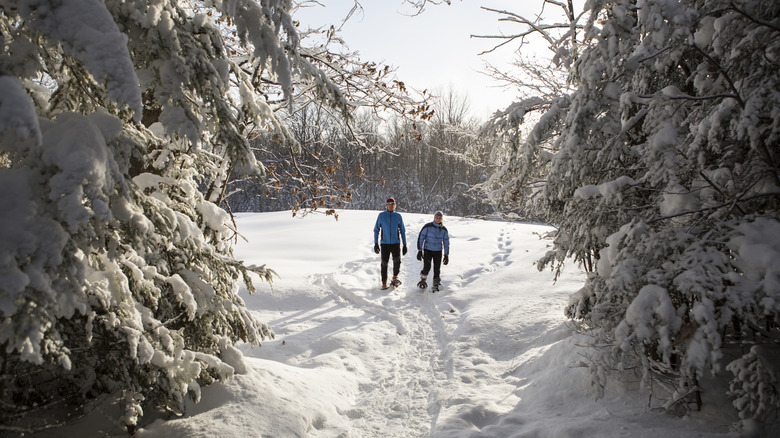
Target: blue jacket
(434, 237)
(392, 226)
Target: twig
(715, 207)
(714, 186)
(725, 75)
(753, 19)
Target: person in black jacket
(433, 247)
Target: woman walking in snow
(392, 229)
(433, 242)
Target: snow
(652, 310)
(75, 144)
(87, 31)
(490, 355)
(677, 199)
(757, 254)
(181, 289)
(608, 189)
(18, 121)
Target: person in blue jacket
(433, 245)
(390, 227)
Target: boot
(422, 284)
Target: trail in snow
(415, 380)
(400, 399)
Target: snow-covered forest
(427, 166)
(132, 131)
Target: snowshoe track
(405, 401)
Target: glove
(446, 259)
(403, 250)
(376, 248)
(419, 255)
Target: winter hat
(438, 214)
(391, 200)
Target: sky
(433, 50)
(489, 355)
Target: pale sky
(433, 50)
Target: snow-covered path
(490, 355)
(402, 398)
(421, 358)
(417, 376)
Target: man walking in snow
(433, 242)
(390, 225)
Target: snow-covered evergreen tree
(664, 179)
(545, 95)
(120, 122)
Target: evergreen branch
(723, 72)
(714, 207)
(695, 98)
(649, 57)
(753, 19)
(715, 186)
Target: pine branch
(715, 207)
(754, 19)
(724, 73)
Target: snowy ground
(490, 355)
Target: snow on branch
(18, 121)
(608, 189)
(88, 32)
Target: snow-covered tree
(664, 180)
(120, 123)
(554, 38)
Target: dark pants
(435, 257)
(387, 250)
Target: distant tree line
(426, 165)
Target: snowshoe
(395, 283)
(422, 284)
(436, 284)
(384, 287)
